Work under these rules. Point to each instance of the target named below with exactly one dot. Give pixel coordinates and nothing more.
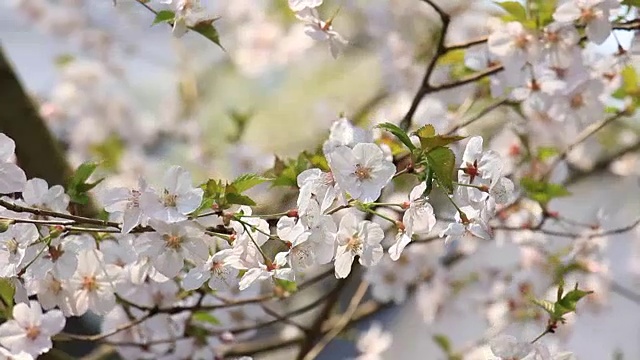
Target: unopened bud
(463, 218)
(226, 218)
(55, 231)
(227, 337)
(271, 266)
(293, 213)
(483, 188)
(279, 292)
(400, 226)
(405, 205)
(4, 224)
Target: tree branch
(424, 89)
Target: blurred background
(113, 88)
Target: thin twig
(477, 116)
(342, 323)
(98, 337)
(43, 212)
(424, 89)
(582, 137)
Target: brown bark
(38, 153)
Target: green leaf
(78, 186)
(442, 161)
(570, 300)
(443, 343)
(543, 192)
(543, 11)
(214, 193)
(546, 152)
(516, 12)
(164, 16)
(83, 172)
(205, 317)
(240, 119)
(565, 303)
(455, 61)
(317, 160)
(515, 9)
(286, 285)
(7, 290)
(206, 29)
(546, 305)
(64, 60)
(398, 133)
(285, 172)
(630, 87)
(245, 182)
(631, 3)
(109, 151)
(425, 131)
(239, 199)
(452, 57)
(430, 140)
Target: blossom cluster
(181, 270)
(161, 243)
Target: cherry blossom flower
(93, 284)
(472, 224)
(580, 104)
(162, 295)
(559, 44)
(541, 352)
(119, 251)
(244, 316)
(322, 235)
(30, 330)
(251, 228)
(295, 235)
(507, 347)
(178, 197)
(432, 295)
(481, 59)
(299, 5)
(320, 30)
(186, 14)
(373, 343)
(53, 292)
(171, 244)
(318, 185)
(13, 247)
(38, 194)
(344, 133)
(216, 269)
(12, 178)
(8, 355)
(143, 269)
(260, 271)
(514, 45)
(419, 218)
(481, 169)
(124, 203)
(357, 238)
(539, 91)
(362, 171)
(387, 283)
(60, 256)
(594, 14)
